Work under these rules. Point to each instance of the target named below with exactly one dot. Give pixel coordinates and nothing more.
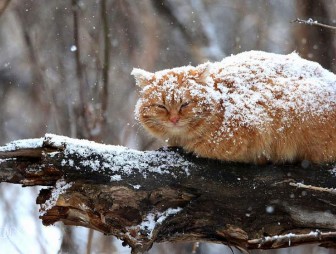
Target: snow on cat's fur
(251, 107)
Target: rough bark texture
(246, 206)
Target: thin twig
(316, 188)
(292, 239)
(312, 22)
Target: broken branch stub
(167, 195)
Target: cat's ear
(203, 71)
(142, 78)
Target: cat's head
(174, 103)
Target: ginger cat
(254, 107)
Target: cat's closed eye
(161, 106)
(184, 105)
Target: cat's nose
(174, 119)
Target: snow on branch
(144, 197)
(312, 22)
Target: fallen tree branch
(312, 22)
(166, 195)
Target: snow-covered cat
(254, 107)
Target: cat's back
(263, 64)
(258, 86)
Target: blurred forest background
(65, 69)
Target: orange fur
(255, 107)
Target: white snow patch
(116, 178)
(119, 159)
(168, 212)
(152, 219)
(8, 159)
(333, 171)
(310, 21)
(141, 73)
(136, 186)
(53, 154)
(316, 233)
(22, 144)
(60, 188)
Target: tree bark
(167, 195)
